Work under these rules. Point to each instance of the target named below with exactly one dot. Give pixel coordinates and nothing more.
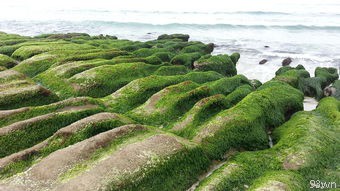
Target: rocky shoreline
(81, 112)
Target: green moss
(6, 61)
(171, 70)
(117, 143)
(61, 141)
(183, 37)
(104, 80)
(299, 78)
(219, 63)
(235, 57)
(201, 112)
(312, 87)
(145, 52)
(279, 180)
(62, 36)
(177, 172)
(18, 91)
(27, 51)
(36, 132)
(244, 124)
(31, 112)
(291, 75)
(306, 145)
(154, 60)
(186, 59)
(169, 103)
(238, 94)
(198, 47)
(138, 91)
(227, 84)
(93, 54)
(27, 97)
(164, 56)
(90, 130)
(36, 64)
(329, 74)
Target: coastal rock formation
(81, 112)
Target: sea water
(306, 31)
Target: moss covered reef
(311, 86)
(306, 149)
(81, 112)
(16, 90)
(222, 64)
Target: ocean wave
(206, 12)
(265, 13)
(218, 26)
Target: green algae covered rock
(186, 59)
(138, 91)
(6, 61)
(268, 107)
(155, 115)
(235, 57)
(291, 75)
(328, 74)
(305, 150)
(63, 36)
(183, 37)
(198, 47)
(171, 70)
(311, 86)
(220, 63)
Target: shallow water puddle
(309, 103)
(270, 141)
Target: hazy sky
(175, 5)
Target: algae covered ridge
(81, 112)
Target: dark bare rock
(267, 46)
(286, 61)
(329, 91)
(263, 61)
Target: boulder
(263, 61)
(286, 61)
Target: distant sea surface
(310, 38)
